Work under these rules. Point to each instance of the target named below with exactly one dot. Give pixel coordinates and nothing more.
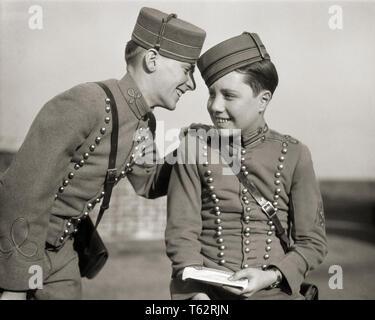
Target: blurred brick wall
(132, 217)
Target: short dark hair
(261, 75)
(132, 50)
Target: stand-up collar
(133, 96)
(254, 135)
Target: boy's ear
(150, 60)
(265, 97)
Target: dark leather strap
(110, 178)
(267, 208)
(151, 123)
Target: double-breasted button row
(86, 155)
(80, 164)
(216, 210)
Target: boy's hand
(258, 280)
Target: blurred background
(324, 55)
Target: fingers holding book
(257, 280)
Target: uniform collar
(133, 96)
(254, 135)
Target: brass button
(102, 130)
(268, 241)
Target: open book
(213, 276)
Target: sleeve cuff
(293, 269)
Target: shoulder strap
(267, 208)
(110, 178)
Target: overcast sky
(327, 77)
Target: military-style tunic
(57, 176)
(214, 222)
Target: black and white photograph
(187, 150)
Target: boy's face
(173, 79)
(231, 104)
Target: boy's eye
(229, 96)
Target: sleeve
(28, 187)
(152, 181)
(308, 226)
(184, 222)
